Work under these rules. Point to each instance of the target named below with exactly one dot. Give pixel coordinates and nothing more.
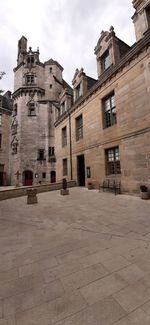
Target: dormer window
(0, 119)
(78, 91)
(30, 59)
(63, 107)
(105, 61)
(148, 15)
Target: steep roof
(52, 62)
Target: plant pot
(145, 195)
(90, 186)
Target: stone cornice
(135, 50)
(31, 90)
(136, 3)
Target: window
(30, 60)
(78, 91)
(65, 167)
(50, 86)
(50, 69)
(14, 128)
(51, 151)
(64, 136)
(79, 128)
(0, 119)
(63, 107)
(43, 175)
(109, 110)
(31, 110)
(15, 110)
(0, 141)
(148, 15)
(41, 154)
(14, 148)
(113, 161)
(30, 79)
(105, 61)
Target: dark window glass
(43, 175)
(78, 91)
(51, 151)
(63, 107)
(109, 109)
(105, 60)
(30, 80)
(113, 161)
(41, 154)
(65, 167)
(79, 128)
(64, 136)
(32, 110)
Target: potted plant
(144, 192)
(90, 185)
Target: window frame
(65, 166)
(79, 127)
(41, 155)
(64, 136)
(31, 109)
(109, 110)
(112, 161)
(51, 151)
(0, 141)
(104, 64)
(1, 119)
(30, 79)
(147, 10)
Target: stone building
(36, 105)
(5, 122)
(105, 134)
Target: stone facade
(141, 18)
(5, 123)
(36, 105)
(108, 125)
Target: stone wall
(22, 191)
(131, 133)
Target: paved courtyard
(82, 259)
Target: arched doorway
(27, 178)
(53, 176)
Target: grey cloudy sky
(64, 30)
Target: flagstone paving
(81, 259)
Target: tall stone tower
(37, 87)
(141, 18)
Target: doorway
(1, 175)
(53, 176)
(81, 170)
(27, 178)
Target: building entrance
(27, 178)
(53, 176)
(1, 175)
(81, 170)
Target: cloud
(65, 30)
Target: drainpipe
(70, 142)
